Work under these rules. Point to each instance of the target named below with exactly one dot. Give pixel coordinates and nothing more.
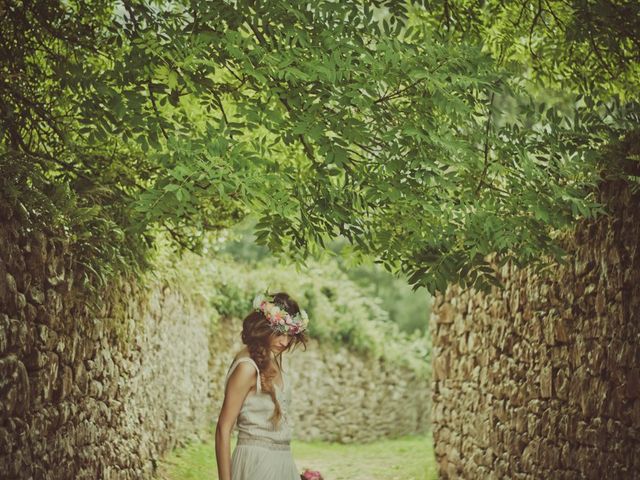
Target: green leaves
(426, 150)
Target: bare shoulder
(243, 378)
(245, 371)
(244, 353)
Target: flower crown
(280, 320)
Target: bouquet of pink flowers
(310, 475)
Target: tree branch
(156, 111)
(533, 25)
(308, 150)
(486, 145)
(398, 93)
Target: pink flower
(311, 475)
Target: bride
(257, 394)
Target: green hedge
(341, 312)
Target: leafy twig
(486, 145)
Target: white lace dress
(262, 452)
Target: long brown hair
(256, 335)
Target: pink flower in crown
(278, 318)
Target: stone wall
(542, 380)
(104, 388)
(342, 397)
(86, 395)
(337, 395)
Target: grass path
(406, 458)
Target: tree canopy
(428, 134)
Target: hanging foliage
(428, 134)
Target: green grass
(406, 458)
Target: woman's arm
(240, 382)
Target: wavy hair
(256, 335)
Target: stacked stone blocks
(541, 380)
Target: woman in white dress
(258, 394)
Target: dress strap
(236, 363)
